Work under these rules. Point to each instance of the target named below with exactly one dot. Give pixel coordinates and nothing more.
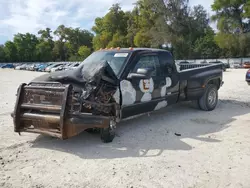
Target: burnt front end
(57, 109)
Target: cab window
(149, 61)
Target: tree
(76, 38)
(234, 26)
(142, 39)
(26, 46)
(44, 51)
(170, 22)
(84, 52)
(133, 25)
(206, 47)
(111, 30)
(247, 9)
(231, 15)
(45, 35)
(59, 50)
(10, 51)
(2, 54)
(69, 42)
(118, 40)
(143, 24)
(45, 46)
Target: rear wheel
(209, 100)
(248, 83)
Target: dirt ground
(212, 151)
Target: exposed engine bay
(93, 87)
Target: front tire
(107, 134)
(209, 100)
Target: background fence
(231, 61)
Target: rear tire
(107, 134)
(248, 83)
(209, 100)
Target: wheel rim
(112, 127)
(212, 97)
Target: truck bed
(192, 66)
(188, 71)
(194, 78)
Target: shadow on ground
(149, 136)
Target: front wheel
(209, 100)
(108, 134)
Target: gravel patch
(178, 146)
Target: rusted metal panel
(44, 88)
(65, 108)
(43, 117)
(42, 97)
(41, 107)
(17, 111)
(75, 126)
(54, 109)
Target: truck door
(140, 95)
(169, 71)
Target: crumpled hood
(90, 73)
(85, 77)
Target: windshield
(116, 60)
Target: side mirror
(142, 73)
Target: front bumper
(37, 112)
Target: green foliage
(247, 10)
(184, 29)
(118, 40)
(84, 52)
(101, 40)
(234, 26)
(2, 54)
(111, 29)
(10, 51)
(142, 39)
(206, 46)
(144, 24)
(75, 58)
(26, 46)
(230, 15)
(45, 46)
(44, 51)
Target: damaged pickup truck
(109, 86)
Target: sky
(21, 16)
